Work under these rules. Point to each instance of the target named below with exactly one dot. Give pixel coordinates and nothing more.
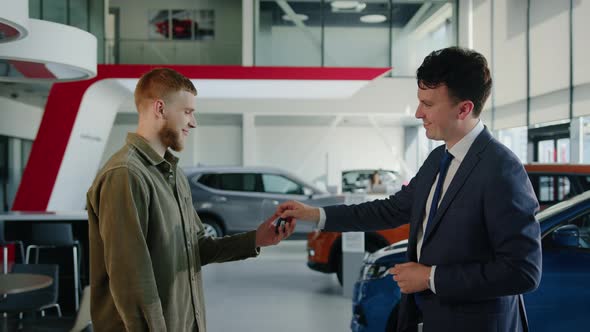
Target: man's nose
(419, 114)
(193, 122)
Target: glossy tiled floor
(274, 292)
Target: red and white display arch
(79, 115)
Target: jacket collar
(149, 153)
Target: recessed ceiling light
(299, 17)
(373, 18)
(346, 4)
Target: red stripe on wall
(32, 69)
(49, 146)
(64, 101)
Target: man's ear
(465, 108)
(158, 108)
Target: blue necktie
(442, 172)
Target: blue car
(561, 303)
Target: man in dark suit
(474, 243)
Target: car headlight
(373, 271)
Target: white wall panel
(482, 27)
(581, 47)
(581, 100)
(218, 145)
(510, 115)
(486, 116)
(18, 119)
(550, 107)
(510, 71)
(311, 149)
(581, 57)
(549, 46)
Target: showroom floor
(274, 292)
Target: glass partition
(370, 33)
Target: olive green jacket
(147, 245)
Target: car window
(209, 180)
(353, 180)
(278, 184)
(238, 182)
(553, 188)
(388, 176)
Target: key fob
(280, 222)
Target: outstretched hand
(296, 210)
(266, 234)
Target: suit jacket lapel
(422, 193)
(467, 166)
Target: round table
(14, 283)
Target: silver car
(237, 199)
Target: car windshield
(559, 207)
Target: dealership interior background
(305, 90)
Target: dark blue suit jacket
(484, 240)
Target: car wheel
(392, 320)
(212, 228)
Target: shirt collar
(459, 150)
(149, 153)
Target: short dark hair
(464, 72)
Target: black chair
(4, 244)
(38, 300)
(55, 235)
(81, 323)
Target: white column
(248, 32)
(577, 141)
(15, 167)
(248, 140)
(466, 23)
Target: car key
(280, 222)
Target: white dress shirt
(459, 151)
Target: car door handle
(219, 199)
(275, 202)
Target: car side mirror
(308, 192)
(567, 236)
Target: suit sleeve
(123, 224)
(380, 214)
(510, 205)
(227, 248)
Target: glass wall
(371, 33)
(585, 140)
(14, 154)
(516, 140)
(546, 81)
(177, 32)
(418, 28)
(83, 14)
(289, 33)
(357, 37)
(69, 12)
